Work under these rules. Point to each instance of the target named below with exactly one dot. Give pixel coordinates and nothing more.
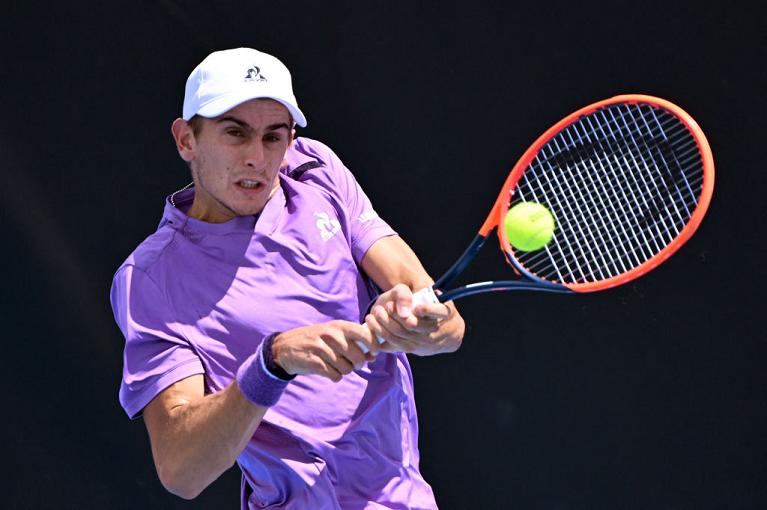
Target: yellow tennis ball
(529, 226)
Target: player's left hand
(423, 329)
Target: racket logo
(327, 226)
(660, 154)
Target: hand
(423, 329)
(331, 349)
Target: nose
(255, 156)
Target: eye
(237, 133)
(272, 137)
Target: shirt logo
(254, 74)
(367, 216)
(328, 227)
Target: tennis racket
(628, 180)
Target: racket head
(628, 180)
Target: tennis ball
(529, 226)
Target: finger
(375, 328)
(317, 365)
(436, 311)
(391, 347)
(331, 373)
(407, 327)
(410, 322)
(362, 335)
(391, 325)
(323, 350)
(355, 342)
(388, 342)
(368, 342)
(370, 350)
(353, 353)
(337, 361)
(402, 297)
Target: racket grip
(422, 297)
(425, 296)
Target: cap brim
(223, 104)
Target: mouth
(250, 184)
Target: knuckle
(401, 287)
(316, 365)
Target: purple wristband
(256, 382)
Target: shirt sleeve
(365, 224)
(155, 355)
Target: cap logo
(254, 74)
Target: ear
(185, 140)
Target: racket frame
(501, 207)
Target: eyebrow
(245, 125)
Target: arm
(196, 437)
(426, 329)
(391, 264)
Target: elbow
(179, 483)
(186, 481)
(185, 493)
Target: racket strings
(622, 183)
(610, 241)
(600, 204)
(662, 157)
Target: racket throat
(501, 286)
(463, 261)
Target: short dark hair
(196, 124)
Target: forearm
(391, 261)
(201, 438)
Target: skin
(247, 143)
(196, 437)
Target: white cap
(228, 78)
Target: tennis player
(250, 335)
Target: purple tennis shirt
(198, 298)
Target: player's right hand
(330, 349)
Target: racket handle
(425, 296)
(422, 297)
(364, 348)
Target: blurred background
(650, 396)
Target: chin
(250, 210)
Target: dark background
(650, 396)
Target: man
(242, 312)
